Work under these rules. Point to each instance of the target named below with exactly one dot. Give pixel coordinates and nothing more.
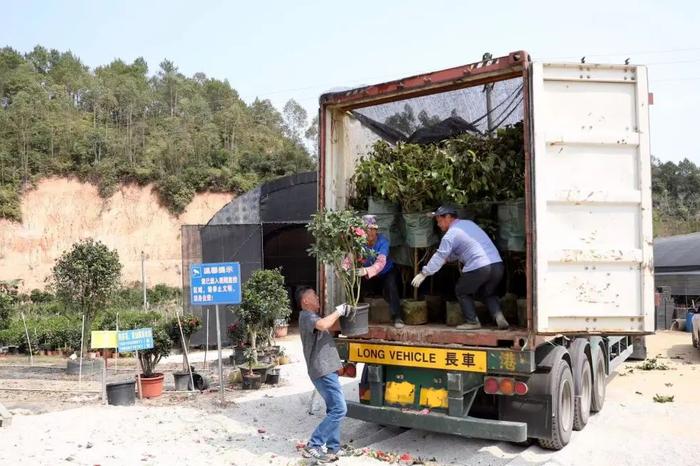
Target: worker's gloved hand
(342, 309)
(417, 280)
(361, 272)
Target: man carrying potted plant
(322, 362)
(483, 268)
(378, 270)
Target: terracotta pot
(152, 387)
(281, 331)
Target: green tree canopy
(85, 277)
(118, 123)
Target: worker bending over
(483, 267)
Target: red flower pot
(152, 387)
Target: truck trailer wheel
(562, 390)
(598, 393)
(583, 382)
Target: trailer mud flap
(435, 422)
(533, 410)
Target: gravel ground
(264, 427)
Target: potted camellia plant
(251, 380)
(340, 241)
(152, 381)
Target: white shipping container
(589, 174)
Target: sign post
(215, 284)
(102, 339)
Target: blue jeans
(328, 431)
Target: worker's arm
(440, 257)
(325, 323)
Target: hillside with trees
(676, 197)
(120, 123)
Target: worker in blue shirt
(483, 267)
(378, 270)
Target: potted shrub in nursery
(251, 380)
(85, 278)
(339, 236)
(264, 299)
(152, 381)
(238, 336)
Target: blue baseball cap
(444, 210)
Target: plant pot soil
(152, 387)
(252, 381)
(414, 312)
(357, 324)
(121, 393)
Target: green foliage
(676, 197)
(190, 324)
(86, 277)
(162, 293)
(237, 334)
(461, 170)
(162, 344)
(118, 123)
(339, 236)
(38, 296)
(7, 302)
(264, 299)
(10, 204)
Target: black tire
(562, 389)
(599, 379)
(583, 382)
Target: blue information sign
(215, 283)
(134, 340)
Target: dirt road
(264, 427)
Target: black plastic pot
(357, 323)
(121, 393)
(273, 377)
(182, 381)
(252, 381)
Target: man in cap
(379, 271)
(483, 267)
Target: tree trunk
(86, 336)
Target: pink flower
(360, 232)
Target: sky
(298, 49)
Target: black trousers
(387, 286)
(482, 284)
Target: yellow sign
(103, 339)
(411, 356)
